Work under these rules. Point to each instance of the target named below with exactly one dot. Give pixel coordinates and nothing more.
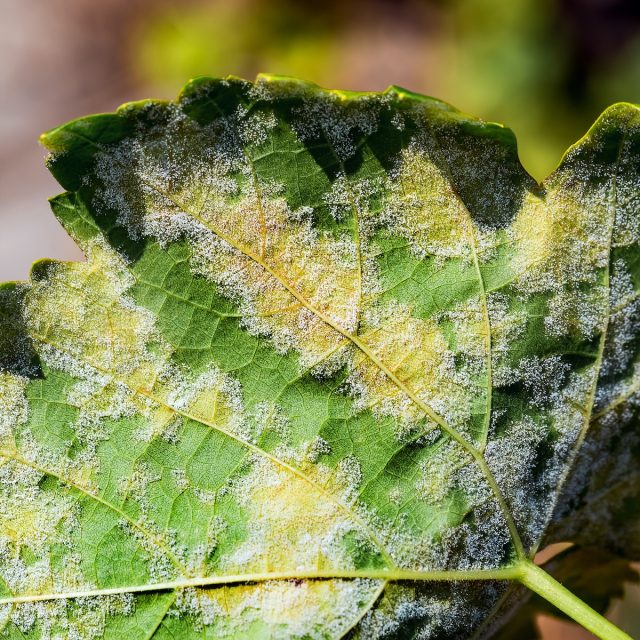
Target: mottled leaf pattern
(334, 364)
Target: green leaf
(335, 366)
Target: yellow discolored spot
(285, 609)
(563, 239)
(291, 524)
(323, 270)
(81, 309)
(416, 351)
(425, 209)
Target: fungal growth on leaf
(335, 367)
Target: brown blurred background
(546, 68)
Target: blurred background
(546, 68)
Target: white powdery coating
(349, 474)
(322, 267)
(14, 408)
(417, 352)
(605, 478)
(421, 206)
(82, 619)
(35, 520)
(98, 401)
(438, 470)
(584, 313)
(562, 247)
(84, 319)
(317, 447)
(627, 191)
(526, 463)
(544, 379)
(291, 524)
(254, 127)
(208, 200)
(512, 459)
(624, 323)
(349, 198)
(435, 612)
(269, 417)
(212, 396)
(618, 393)
(315, 610)
(338, 122)
(506, 328)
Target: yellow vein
(622, 398)
(591, 399)
(397, 575)
(358, 343)
(474, 246)
(364, 609)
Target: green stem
(551, 590)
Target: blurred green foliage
(546, 68)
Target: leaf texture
(333, 364)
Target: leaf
(329, 370)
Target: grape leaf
(334, 365)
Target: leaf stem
(551, 590)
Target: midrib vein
(395, 575)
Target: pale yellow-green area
(323, 269)
(426, 210)
(286, 609)
(416, 351)
(292, 525)
(562, 244)
(88, 327)
(79, 308)
(562, 239)
(305, 289)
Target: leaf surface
(330, 353)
